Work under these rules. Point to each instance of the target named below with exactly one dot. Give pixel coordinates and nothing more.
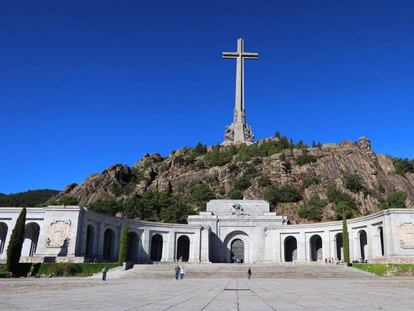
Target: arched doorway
(132, 248)
(363, 243)
(233, 251)
(109, 244)
(183, 248)
(315, 248)
(237, 251)
(90, 241)
(291, 249)
(381, 237)
(156, 247)
(339, 243)
(31, 238)
(3, 236)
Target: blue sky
(87, 84)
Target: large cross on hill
(239, 131)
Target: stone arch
(109, 244)
(183, 248)
(237, 235)
(3, 236)
(315, 246)
(381, 240)
(339, 246)
(363, 244)
(31, 238)
(156, 247)
(90, 241)
(291, 249)
(132, 248)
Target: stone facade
(229, 231)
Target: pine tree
(345, 239)
(123, 245)
(14, 250)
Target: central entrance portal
(237, 251)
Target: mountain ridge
(304, 183)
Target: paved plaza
(207, 294)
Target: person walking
(249, 274)
(177, 272)
(182, 272)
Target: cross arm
(230, 54)
(250, 55)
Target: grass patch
(63, 269)
(387, 269)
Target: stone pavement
(207, 294)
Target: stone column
(169, 243)
(302, 244)
(101, 238)
(144, 251)
(204, 244)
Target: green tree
(200, 194)
(305, 158)
(199, 150)
(242, 183)
(394, 200)
(345, 239)
(65, 200)
(123, 245)
(344, 203)
(176, 213)
(355, 183)
(284, 194)
(235, 194)
(107, 206)
(312, 208)
(14, 249)
(28, 198)
(403, 166)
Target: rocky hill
(305, 183)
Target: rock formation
(328, 164)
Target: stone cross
(239, 131)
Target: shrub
(312, 208)
(242, 183)
(403, 166)
(198, 150)
(354, 183)
(288, 194)
(284, 194)
(200, 194)
(235, 194)
(14, 250)
(176, 213)
(344, 203)
(66, 200)
(263, 181)
(305, 158)
(308, 181)
(394, 200)
(107, 206)
(219, 156)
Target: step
(240, 271)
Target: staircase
(259, 270)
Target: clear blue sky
(87, 84)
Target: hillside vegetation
(28, 198)
(305, 183)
